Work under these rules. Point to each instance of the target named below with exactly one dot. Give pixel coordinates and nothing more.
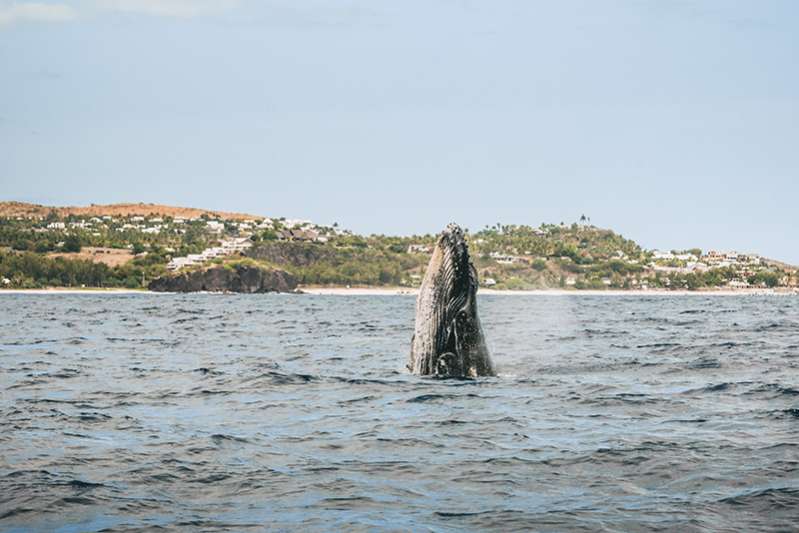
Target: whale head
(448, 339)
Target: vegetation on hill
(28, 210)
(29, 270)
(42, 247)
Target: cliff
(240, 278)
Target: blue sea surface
(295, 412)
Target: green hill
(55, 247)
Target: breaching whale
(448, 340)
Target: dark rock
(241, 278)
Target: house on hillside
(418, 249)
(238, 244)
(178, 263)
(305, 235)
(657, 254)
(750, 259)
(714, 257)
(505, 259)
(215, 226)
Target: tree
(42, 247)
(22, 244)
(72, 244)
(769, 279)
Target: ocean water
(295, 412)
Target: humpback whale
(448, 340)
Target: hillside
(131, 244)
(22, 209)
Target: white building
(657, 254)
(227, 247)
(418, 249)
(215, 226)
(178, 263)
(296, 222)
(505, 259)
(696, 266)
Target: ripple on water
(227, 413)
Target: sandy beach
(405, 291)
(396, 291)
(75, 290)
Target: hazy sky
(675, 123)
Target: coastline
(76, 290)
(406, 291)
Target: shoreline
(406, 291)
(76, 290)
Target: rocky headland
(239, 278)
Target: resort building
(418, 249)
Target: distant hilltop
(130, 245)
(28, 210)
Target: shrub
(539, 264)
(72, 244)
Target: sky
(675, 123)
